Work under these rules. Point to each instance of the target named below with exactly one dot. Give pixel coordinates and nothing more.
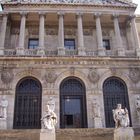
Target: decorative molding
(93, 76)
(134, 74)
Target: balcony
(50, 53)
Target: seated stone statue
(3, 108)
(49, 119)
(121, 117)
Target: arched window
(115, 92)
(72, 103)
(27, 113)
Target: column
(81, 49)
(3, 33)
(61, 48)
(135, 35)
(101, 49)
(20, 49)
(41, 48)
(121, 51)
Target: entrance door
(27, 113)
(72, 104)
(115, 92)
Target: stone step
(64, 134)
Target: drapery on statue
(137, 104)
(121, 117)
(3, 108)
(49, 119)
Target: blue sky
(138, 8)
(135, 1)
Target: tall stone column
(3, 33)
(20, 48)
(135, 35)
(81, 48)
(101, 49)
(61, 48)
(41, 48)
(121, 51)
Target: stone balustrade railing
(33, 53)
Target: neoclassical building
(85, 54)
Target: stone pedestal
(101, 52)
(46, 134)
(121, 52)
(20, 51)
(81, 51)
(97, 122)
(138, 52)
(124, 134)
(3, 123)
(40, 52)
(61, 51)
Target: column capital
(115, 15)
(79, 13)
(97, 15)
(23, 13)
(5, 14)
(131, 17)
(61, 13)
(42, 13)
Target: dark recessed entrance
(27, 112)
(72, 104)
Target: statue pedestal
(124, 134)
(3, 123)
(46, 134)
(97, 122)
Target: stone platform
(64, 134)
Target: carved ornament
(50, 76)
(134, 74)
(93, 76)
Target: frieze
(134, 74)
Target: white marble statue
(96, 110)
(49, 119)
(3, 107)
(137, 104)
(51, 103)
(121, 117)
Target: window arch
(114, 92)
(72, 103)
(28, 97)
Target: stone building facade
(83, 54)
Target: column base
(124, 134)
(81, 51)
(97, 122)
(47, 134)
(61, 51)
(40, 52)
(3, 123)
(138, 52)
(121, 52)
(20, 51)
(101, 52)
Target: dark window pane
(69, 43)
(33, 43)
(106, 44)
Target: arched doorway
(27, 113)
(115, 92)
(73, 103)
